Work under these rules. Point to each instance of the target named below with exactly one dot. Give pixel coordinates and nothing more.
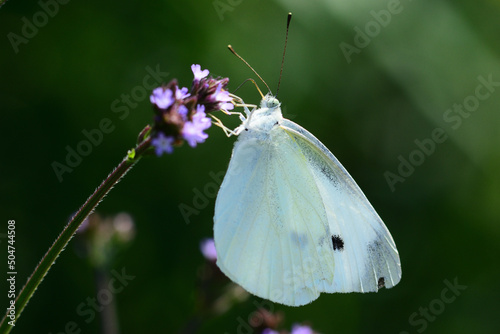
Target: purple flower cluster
(181, 114)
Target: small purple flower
(227, 106)
(183, 111)
(207, 247)
(198, 73)
(200, 108)
(162, 144)
(193, 130)
(299, 329)
(162, 98)
(223, 97)
(181, 93)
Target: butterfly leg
(240, 103)
(240, 114)
(237, 102)
(224, 128)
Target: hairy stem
(69, 230)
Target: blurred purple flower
(162, 98)
(84, 225)
(193, 130)
(269, 331)
(207, 247)
(162, 144)
(299, 329)
(182, 93)
(183, 111)
(198, 73)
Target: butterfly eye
(272, 103)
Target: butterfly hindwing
(366, 257)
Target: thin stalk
(109, 317)
(69, 230)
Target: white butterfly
(290, 222)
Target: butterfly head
(270, 102)
(266, 117)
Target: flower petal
(162, 97)
(198, 73)
(162, 144)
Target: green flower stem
(62, 240)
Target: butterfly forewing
(269, 225)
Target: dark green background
(444, 217)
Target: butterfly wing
(365, 254)
(271, 227)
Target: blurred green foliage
(421, 61)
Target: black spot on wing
(338, 243)
(381, 282)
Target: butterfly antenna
(284, 50)
(244, 82)
(257, 74)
